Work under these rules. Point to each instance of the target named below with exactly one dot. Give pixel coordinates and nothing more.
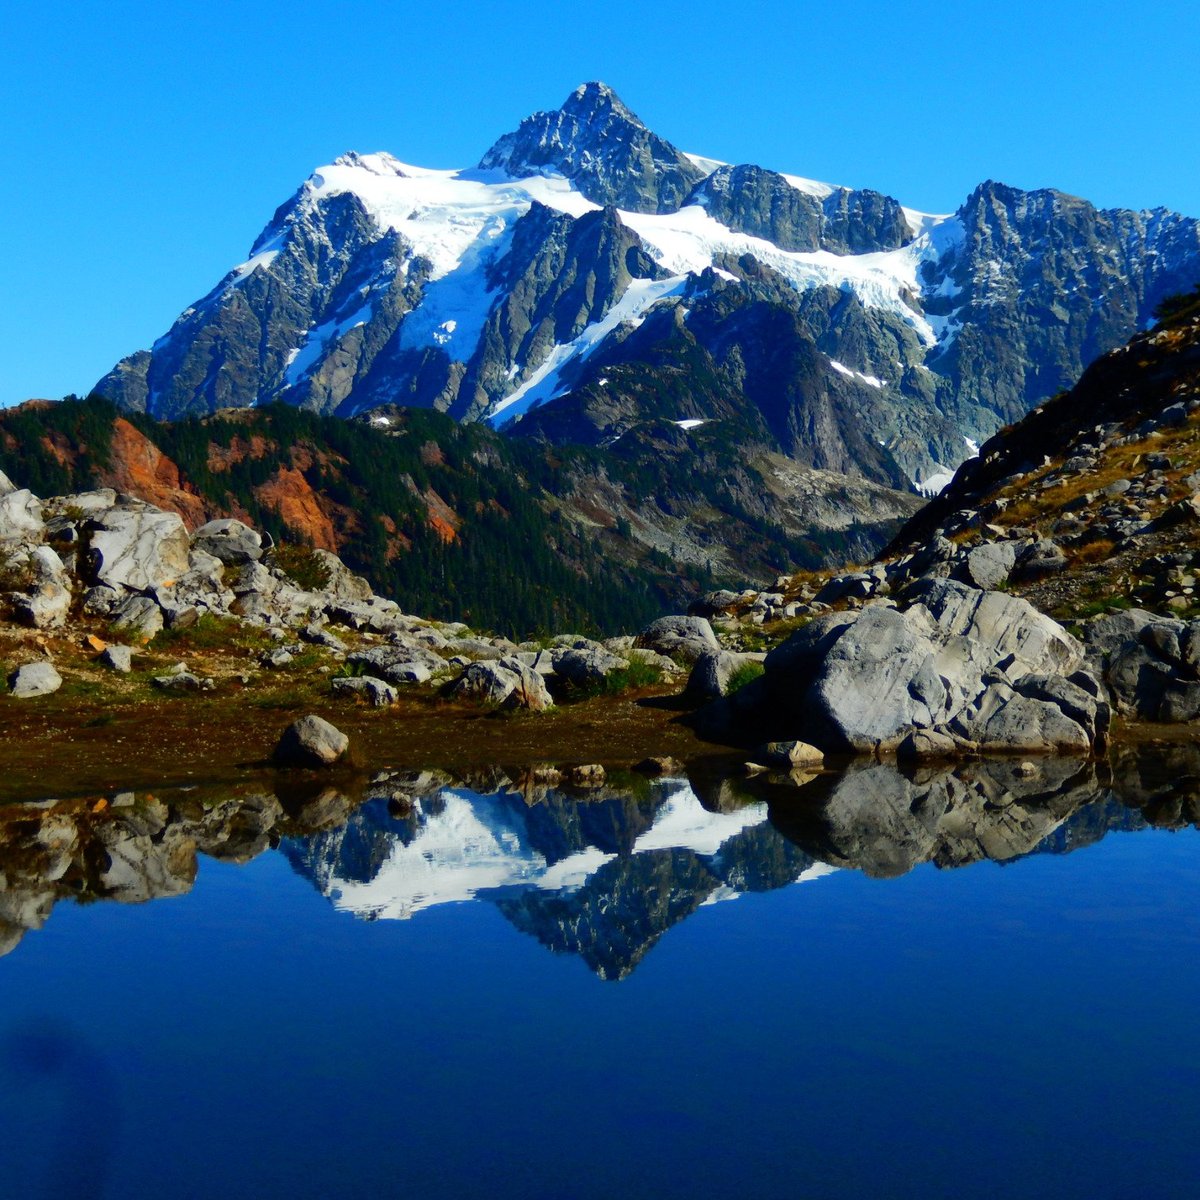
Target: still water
(866, 984)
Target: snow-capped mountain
(588, 276)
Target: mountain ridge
(378, 282)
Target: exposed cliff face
(493, 291)
(602, 147)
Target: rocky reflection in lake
(602, 872)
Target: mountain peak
(599, 144)
(596, 99)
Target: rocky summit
(588, 276)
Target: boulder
(714, 669)
(138, 617)
(230, 541)
(34, 679)
(310, 742)
(20, 517)
(117, 658)
(137, 547)
(584, 668)
(181, 681)
(688, 637)
(47, 602)
(1149, 664)
(507, 684)
(977, 669)
(988, 566)
(375, 692)
(6, 485)
(396, 664)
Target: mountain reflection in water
(600, 873)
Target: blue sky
(145, 145)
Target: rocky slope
(514, 286)
(459, 522)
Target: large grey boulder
(688, 637)
(6, 485)
(507, 684)
(137, 547)
(34, 679)
(310, 742)
(117, 658)
(988, 566)
(981, 670)
(584, 668)
(21, 517)
(1150, 664)
(228, 540)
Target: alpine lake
(865, 982)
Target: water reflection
(601, 873)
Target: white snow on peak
(441, 213)
(922, 222)
(850, 373)
(460, 223)
(545, 382)
(812, 187)
(688, 241)
(707, 165)
(691, 423)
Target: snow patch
(545, 382)
(842, 369)
(691, 423)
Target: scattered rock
(376, 692)
(688, 637)
(117, 658)
(33, 679)
(310, 742)
(229, 541)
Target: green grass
(746, 673)
(212, 632)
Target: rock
(137, 547)
(786, 755)
(713, 670)
(376, 692)
(20, 517)
(310, 742)
(396, 664)
(585, 668)
(343, 583)
(989, 565)
(277, 658)
(34, 679)
(48, 601)
(117, 658)
(7, 487)
(229, 541)
(927, 745)
(181, 681)
(100, 601)
(959, 663)
(138, 617)
(588, 775)
(316, 635)
(689, 637)
(1039, 559)
(1150, 664)
(507, 684)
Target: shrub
(303, 566)
(746, 673)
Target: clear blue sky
(146, 144)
